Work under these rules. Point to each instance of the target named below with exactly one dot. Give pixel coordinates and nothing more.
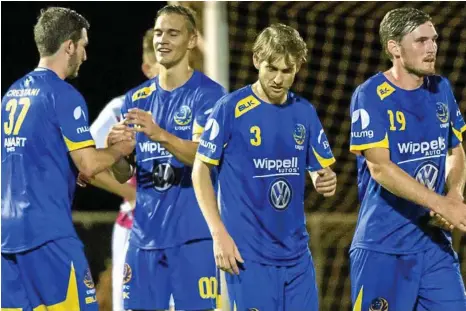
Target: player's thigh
(381, 280)
(146, 284)
(301, 288)
(257, 287)
(442, 286)
(57, 273)
(13, 293)
(193, 279)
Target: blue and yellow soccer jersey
(263, 152)
(43, 118)
(418, 127)
(167, 213)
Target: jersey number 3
(13, 126)
(256, 131)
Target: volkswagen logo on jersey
(280, 194)
(299, 134)
(163, 177)
(442, 112)
(183, 116)
(427, 175)
(379, 304)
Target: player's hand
(126, 147)
(226, 253)
(326, 182)
(144, 122)
(438, 221)
(120, 132)
(454, 212)
(82, 180)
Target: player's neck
(174, 77)
(259, 92)
(53, 64)
(403, 79)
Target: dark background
(113, 66)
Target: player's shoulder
(115, 103)
(435, 83)
(240, 100)
(300, 102)
(143, 90)
(205, 86)
(376, 87)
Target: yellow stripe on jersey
(324, 162)
(358, 302)
(12, 309)
(75, 146)
(385, 90)
(458, 134)
(463, 129)
(205, 159)
(71, 302)
(197, 129)
(356, 149)
(245, 105)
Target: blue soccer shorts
(53, 276)
(261, 287)
(187, 272)
(425, 281)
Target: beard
(73, 66)
(419, 71)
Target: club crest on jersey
(379, 304)
(442, 114)
(183, 117)
(427, 175)
(299, 136)
(280, 194)
(127, 273)
(88, 281)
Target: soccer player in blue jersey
(170, 249)
(264, 138)
(405, 122)
(45, 141)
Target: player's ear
(69, 46)
(256, 61)
(145, 67)
(393, 48)
(192, 41)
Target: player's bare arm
(225, 250)
(457, 174)
(184, 150)
(325, 181)
(401, 184)
(106, 181)
(91, 161)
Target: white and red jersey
(109, 116)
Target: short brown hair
(148, 51)
(399, 22)
(186, 12)
(279, 40)
(56, 25)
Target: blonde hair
(279, 40)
